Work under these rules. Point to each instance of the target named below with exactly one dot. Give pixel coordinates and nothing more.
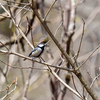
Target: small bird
(36, 52)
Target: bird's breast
(36, 53)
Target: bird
(36, 52)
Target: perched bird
(36, 52)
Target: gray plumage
(36, 52)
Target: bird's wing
(35, 52)
(32, 51)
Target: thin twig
(22, 17)
(15, 2)
(58, 28)
(75, 85)
(21, 9)
(27, 9)
(41, 7)
(49, 10)
(19, 61)
(89, 56)
(4, 46)
(92, 84)
(94, 80)
(81, 40)
(27, 85)
(31, 31)
(83, 92)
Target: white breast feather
(36, 53)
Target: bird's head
(41, 45)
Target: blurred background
(38, 83)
